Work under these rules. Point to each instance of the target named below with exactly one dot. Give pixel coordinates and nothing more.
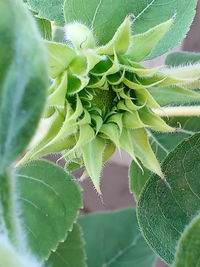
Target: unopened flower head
(100, 99)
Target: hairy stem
(10, 221)
(178, 111)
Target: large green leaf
(165, 208)
(70, 253)
(182, 58)
(162, 144)
(188, 249)
(23, 79)
(105, 17)
(113, 239)
(49, 9)
(49, 200)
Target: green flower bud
(80, 36)
(100, 99)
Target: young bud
(101, 98)
(80, 35)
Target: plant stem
(186, 111)
(8, 202)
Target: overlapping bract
(99, 99)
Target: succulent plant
(99, 99)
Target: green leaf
(83, 138)
(162, 144)
(137, 178)
(174, 95)
(152, 120)
(147, 13)
(183, 74)
(111, 130)
(45, 29)
(49, 200)
(23, 79)
(182, 58)
(144, 152)
(44, 143)
(120, 41)
(71, 252)
(49, 9)
(144, 43)
(164, 209)
(188, 249)
(95, 147)
(60, 56)
(132, 120)
(126, 143)
(113, 239)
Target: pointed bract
(120, 41)
(144, 43)
(94, 149)
(144, 152)
(60, 56)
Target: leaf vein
(123, 251)
(95, 13)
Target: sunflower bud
(80, 35)
(100, 100)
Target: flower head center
(104, 99)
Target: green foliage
(182, 58)
(137, 179)
(188, 249)
(50, 201)
(177, 200)
(162, 144)
(113, 239)
(102, 91)
(45, 28)
(101, 98)
(23, 80)
(114, 12)
(144, 43)
(71, 252)
(174, 95)
(48, 9)
(94, 170)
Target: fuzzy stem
(8, 205)
(187, 111)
